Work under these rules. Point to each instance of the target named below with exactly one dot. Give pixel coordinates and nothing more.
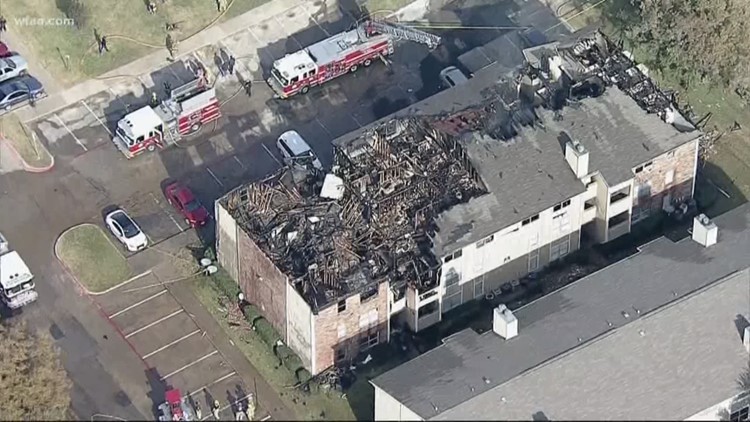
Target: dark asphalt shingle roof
(453, 375)
(530, 174)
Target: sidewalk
(59, 99)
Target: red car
(4, 50)
(183, 200)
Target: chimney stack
(705, 231)
(504, 323)
(577, 157)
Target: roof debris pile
(372, 220)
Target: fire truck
(175, 407)
(342, 53)
(187, 109)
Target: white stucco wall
(516, 241)
(389, 409)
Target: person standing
(3, 24)
(103, 45)
(230, 65)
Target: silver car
(12, 66)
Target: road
(90, 174)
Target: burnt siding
(328, 320)
(262, 283)
(681, 161)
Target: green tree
(34, 384)
(704, 39)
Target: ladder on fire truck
(403, 32)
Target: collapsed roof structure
(406, 189)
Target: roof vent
(705, 231)
(504, 323)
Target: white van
(452, 76)
(294, 149)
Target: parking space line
(96, 117)
(324, 127)
(147, 326)
(222, 378)
(272, 156)
(139, 303)
(78, 141)
(289, 35)
(267, 417)
(179, 227)
(214, 176)
(195, 362)
(318, 23)
(238, 161)
(167, 346)
(356, 121)
(264, 50)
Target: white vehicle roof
(139, 122)
(17, 61)
(13, 271)
(294, 64)
(295, 142)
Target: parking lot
(168, 340)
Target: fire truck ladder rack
(404, 32)
(187, 90)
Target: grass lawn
(28, 146)
(70, 53)
(317, 405)
(92, 258)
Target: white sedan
(126, 230)
(12, 66)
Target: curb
(68, 270)
(26, 166)
(90, 296)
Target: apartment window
(478, 287)
(534, 260)
(340, 355)
(559, 248)
(669, 177)
(450, 302)
(646, 166)
(561, 223)
(428, 309)
(530, 220)
(342, 305)
(561, 205)
(619, 195)
(454, 255)
(618, 219)
(451, 278)
(368, 340)
(486, 240)
(740, 415)
(368, 320)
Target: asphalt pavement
(91, 174)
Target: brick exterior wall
(681, 163)
(327, 323)
(262, 283)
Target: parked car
(183, 200)
(126, 230)
(4, 50)
(452, 76)
(12, 66)
(19, 91)
(295, 149)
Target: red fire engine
(188, 108)
(342, 53)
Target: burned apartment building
(444, 202)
